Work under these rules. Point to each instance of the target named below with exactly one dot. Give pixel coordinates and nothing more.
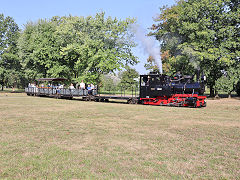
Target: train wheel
(132, 101)
(129, 101)
(96, 100)
(204, 105)
(92, 98)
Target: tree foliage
(39, 51)
(151, 65)
(201, 34)
(109, 82)
(10, 67)
(78, 48)
(229, 80)
(128, 78)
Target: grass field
(72, 139)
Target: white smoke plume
(149, 44)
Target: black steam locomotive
(158, 89)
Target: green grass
(70, 139)
(11, 90)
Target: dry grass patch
(50, 138)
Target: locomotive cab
(154, 85)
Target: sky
(144, 11)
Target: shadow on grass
(11, 91)
(223, 96)
(110, 101)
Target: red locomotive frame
(183, 100)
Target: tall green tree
(39, 51)
(109, 82)
(78, 48)
(10, 67)
(128, 78)
(228, 82)
(200, 33)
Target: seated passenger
(60, 86)
(71, 86)
(82, 85)
(89, 88)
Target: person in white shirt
(71, 86)
(82, 85)
(60, 86)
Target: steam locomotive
(159, 89)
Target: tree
(127, 78)
(201, 34)
(40, 52)
(238, 88)
(228, 82)
(109, 82)
(77, 48)
(151, 66)
(10, 67)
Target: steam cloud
(148, 44)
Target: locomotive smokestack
(153, 72)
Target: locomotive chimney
(153, 72)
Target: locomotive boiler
(181, 90)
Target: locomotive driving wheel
(132, 101)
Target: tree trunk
(211, 91)
(2, 86)
(216, 94)
(229, 95)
